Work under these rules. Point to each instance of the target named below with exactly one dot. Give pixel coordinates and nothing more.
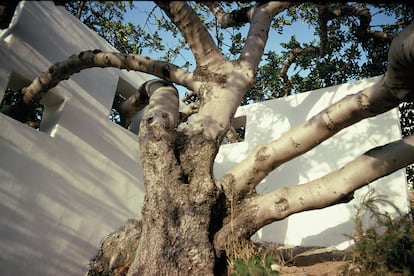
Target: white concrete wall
(267, 121)
(62, 189)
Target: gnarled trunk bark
(178, 224)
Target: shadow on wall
(59, 199)
(46, 46)
(64, 189)
(268, 120)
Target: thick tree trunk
(175, 238)
(178, 223)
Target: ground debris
(117, 250)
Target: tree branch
(364, 33)
(188, 110)
(157, 132)
(308, 51)
(195, 33)
(163, 104)
(262, 16)
(396, 85)
(320, 193)
(399, 75)
(137, 101)
(235, 18)
(263, 159)
(323, 29)
(96, 58)
(80, 9)
(131, 106)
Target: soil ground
(319, 269)
(307, 261)
(323, 261)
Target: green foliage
(387, 247)
(114, 115)
(407, 128)
(340, 61)
(11, 102)
(254, 267)
(101, 274)
(10, 99)
(107, 18)
(346, 57)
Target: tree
(188, 215)
(106, 18)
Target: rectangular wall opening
(42, 116)
(237, 132)
(124, 90)
(11, 103)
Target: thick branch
(195, 33)
(265, 158)
(235, 18)
(89, 59)
(136, 102)
(259, 30)
(399, 76)
(157, 130)
(379, 98)
(319, 193)
(364, 32)
(173, 215)
(294, 53)
(323, 28)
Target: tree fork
(176, 217)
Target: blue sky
(302, 32)
(138, 16)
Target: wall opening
(114, 114)
(124, 90)
(237, 133)
(11, 104)
(406, 112)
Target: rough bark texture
(180, 200)
(323, 192)
(96, 58)
(118, 250)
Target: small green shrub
(387, 248)
(254, 267)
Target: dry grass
(253, 256)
